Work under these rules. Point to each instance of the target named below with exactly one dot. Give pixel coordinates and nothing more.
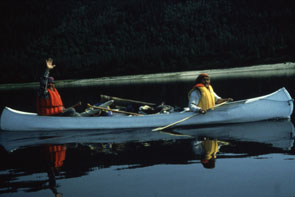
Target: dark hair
(201, 77)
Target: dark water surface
(251, 159)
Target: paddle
(115, 111)
(105, 97)
(184, 119)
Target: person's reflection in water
(208, 149)
(55, 156)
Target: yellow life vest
(207, 99)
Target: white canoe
(277, 105)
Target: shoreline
(266, 70)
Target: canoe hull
(278, 105)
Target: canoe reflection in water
(77, 154)
(276, 133)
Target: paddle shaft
(105, 97)
(184, 119)
(174, 123)
(115, 111)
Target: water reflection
(279, 134)
(54, 158)
(35, 164)
(207, 149)
(25, 169)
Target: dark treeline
(96, 38)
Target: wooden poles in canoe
(77, 104)
(115, 111)
(123, 100)
(184, 119)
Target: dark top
(43, 92)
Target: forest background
(99, 38)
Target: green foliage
(104, 38)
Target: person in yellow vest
(202, 96)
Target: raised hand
(49, 64)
